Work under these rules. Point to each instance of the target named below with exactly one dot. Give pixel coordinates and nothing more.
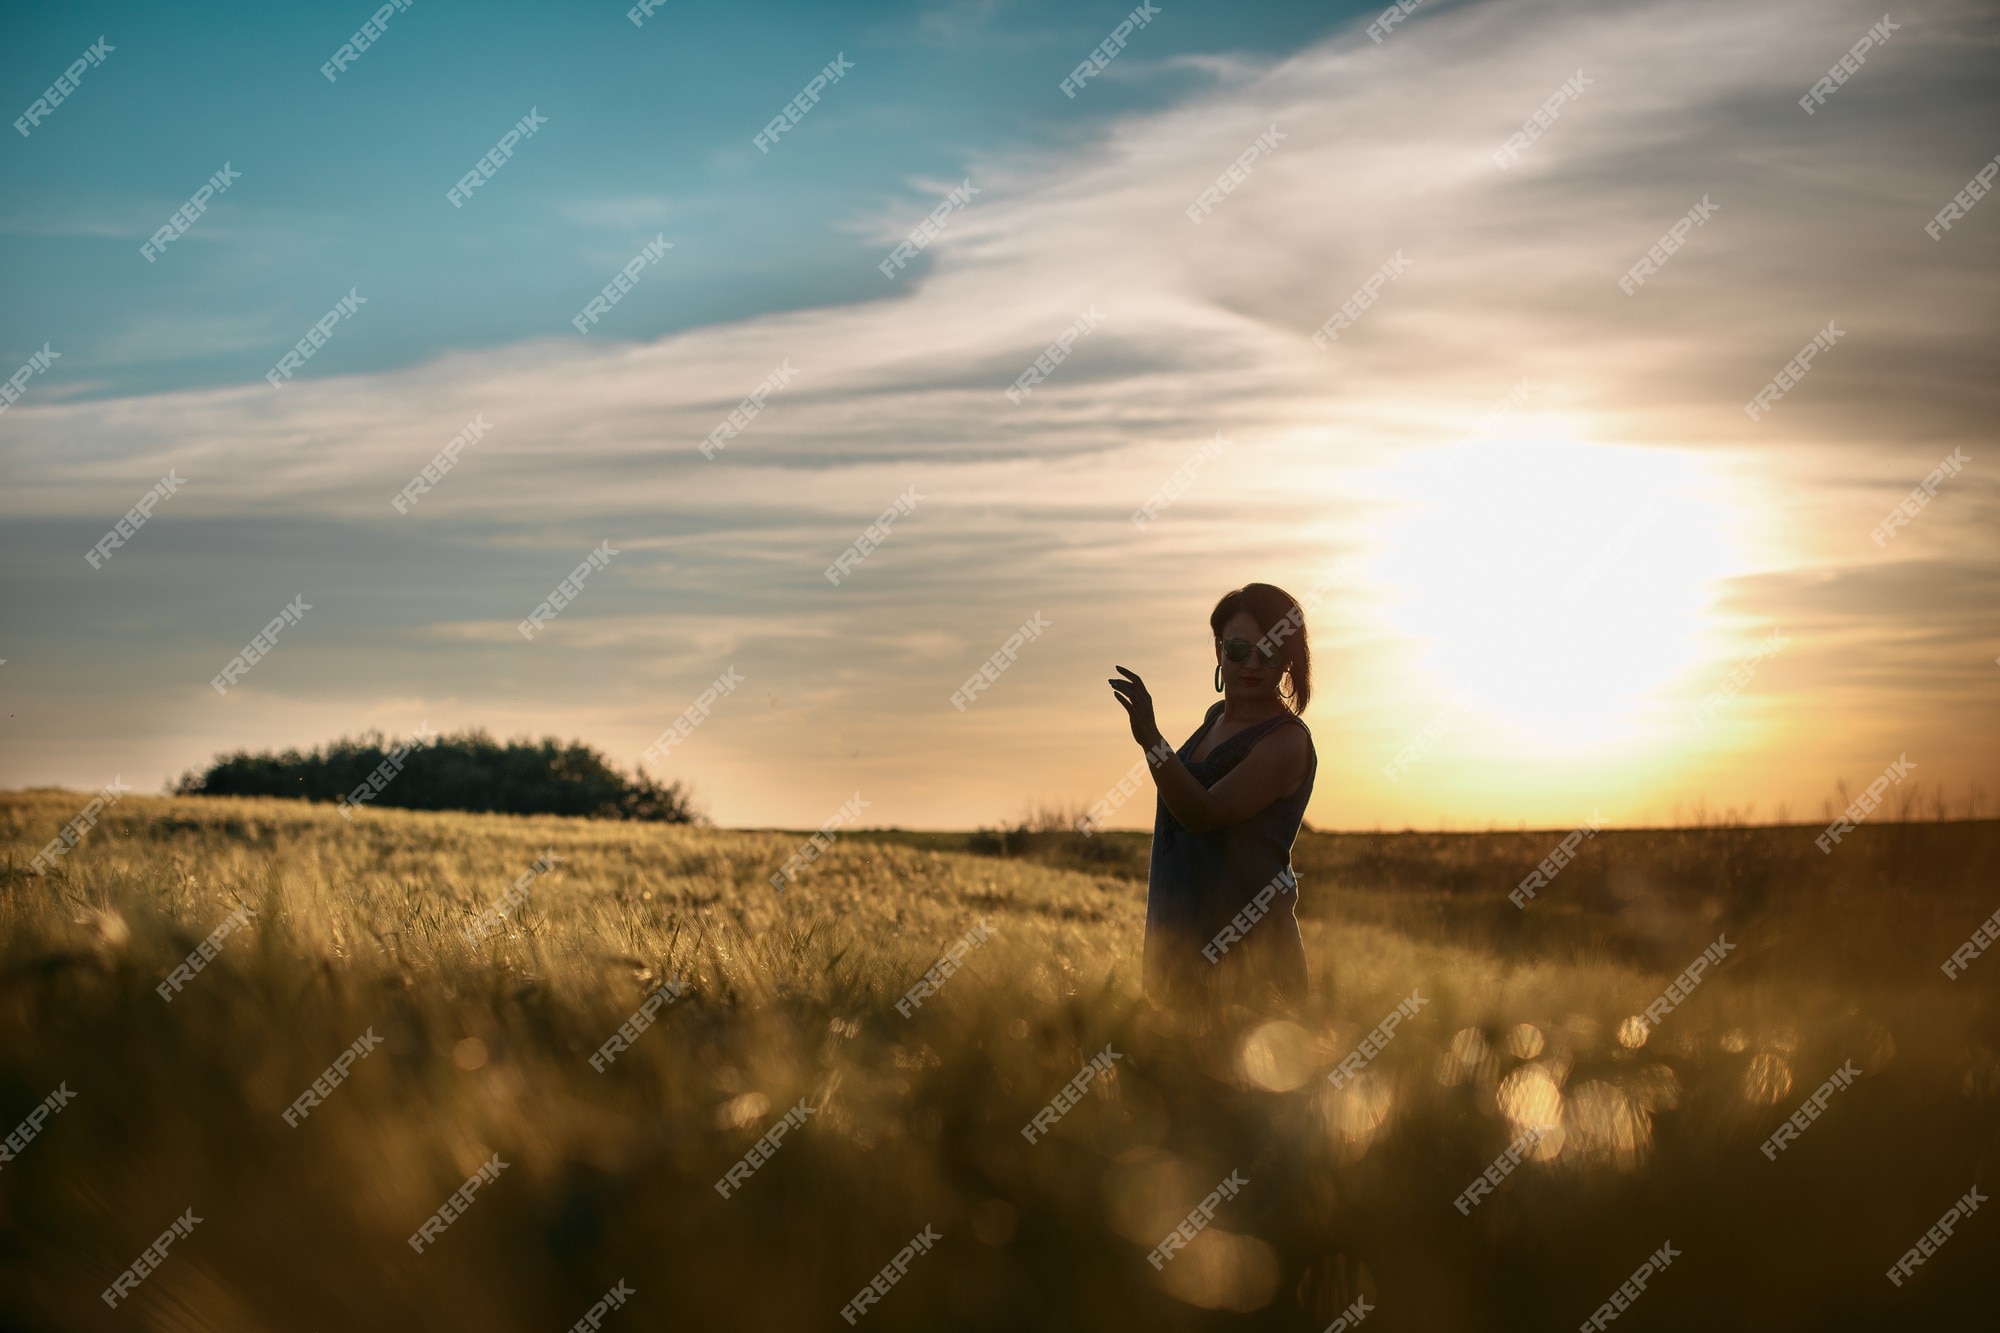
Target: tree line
(464, 771)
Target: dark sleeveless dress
(1198, 882)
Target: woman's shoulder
(1291, 731)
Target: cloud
(625, 212)
(1386, 151)
(157, 337)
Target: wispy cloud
(1387, 150)
(622, 212)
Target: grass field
(1650, 1134)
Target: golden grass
(611, 1175)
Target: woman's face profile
(1252, 677)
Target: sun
(1555, 586)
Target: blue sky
(1444, 619)
(650, 129)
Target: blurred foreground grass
(1654, 1134)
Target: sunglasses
(1237, 650)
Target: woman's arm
(1274, 767)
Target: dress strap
(1263, 728)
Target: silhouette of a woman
(1220, 925)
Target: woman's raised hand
(1138, 703)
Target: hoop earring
(1287, 697)
(1218, 677)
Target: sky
(1552, 568)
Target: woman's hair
(1281, 619)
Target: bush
(1048, 833)
(466, 771)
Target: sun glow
(1555, 586)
